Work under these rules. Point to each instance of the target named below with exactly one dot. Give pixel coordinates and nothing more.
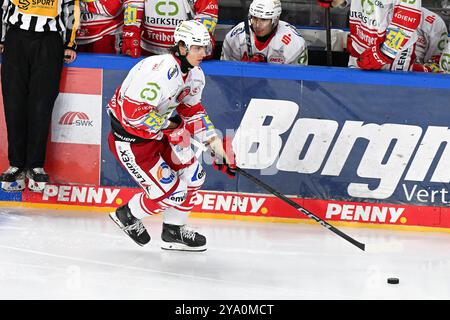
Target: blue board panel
(337, 95)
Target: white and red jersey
(432, 38)
(153, 89)
(285, 46)
(431, 41)
(98, 19)
(160, 18)
(390, 24)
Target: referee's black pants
(31, 70)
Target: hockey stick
(248, 41)
(328, 37)
(325, 224)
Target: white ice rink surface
(55, 254)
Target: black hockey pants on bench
(31, 70)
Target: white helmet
(192, 32)
(266, 9)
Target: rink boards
(350, 146)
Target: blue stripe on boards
(287, 72)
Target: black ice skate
(182, 238)
(132, 226)
(13, 179)
(37, 179)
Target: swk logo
(24, 4)
(167, 8)
(79, 119)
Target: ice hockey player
(265, 38)
(431, 42)
(101, 26)
(149, 25)
(382, 33)
(431, 39)
(154, 146)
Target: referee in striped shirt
(37, 36)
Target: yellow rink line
(222, 216)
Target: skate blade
(114, 218)
(181, 247)
(17, 185)
(36, 186)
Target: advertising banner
(347, 148)
(73, 149)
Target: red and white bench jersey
(98, 19)
(285, 46)
(391, 24)
(432, 38)
(152, 91)
(160, 18)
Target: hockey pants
(169, 186)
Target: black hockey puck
(393, 280)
